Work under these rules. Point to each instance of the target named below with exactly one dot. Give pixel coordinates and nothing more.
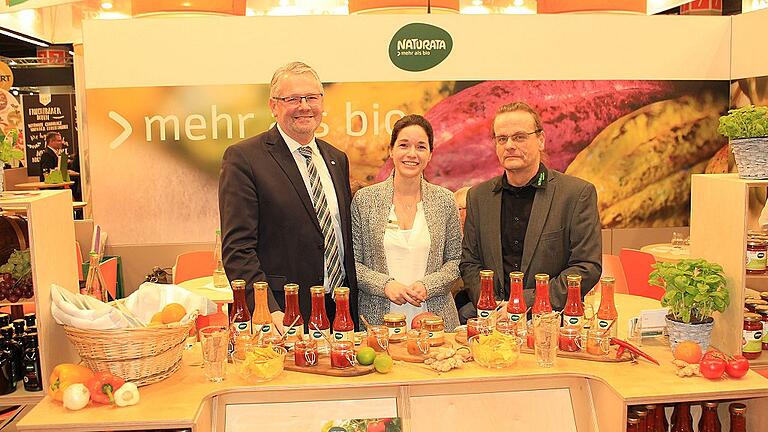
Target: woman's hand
(400, 294)
(418, 291)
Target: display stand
(51, 238)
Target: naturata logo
(418, 47)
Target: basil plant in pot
(747, 129)
(695, 288)
(8, 152)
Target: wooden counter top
(176, 402)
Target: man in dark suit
(284, 200)
(531, 219)
(49, 159)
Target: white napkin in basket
(85, 312)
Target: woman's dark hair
(412, 120)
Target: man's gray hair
(293, 68)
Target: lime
(365, 356)
(383, 363)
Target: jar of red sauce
(756, 254)
(753, 336)
(476, 326)
(570, 339)
(305, 353)
(418, 342)
(763, 312)
(343, 354)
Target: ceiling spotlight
(106, 5)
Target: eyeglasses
(312, 99)
(517, 138)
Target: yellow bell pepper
(64, 375)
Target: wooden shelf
(757, 276)
(21, 396)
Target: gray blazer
(370, 210)
(563, 237)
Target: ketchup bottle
(541, 302)
(318, 319)
(573, 312)
(607, 314)
(487, 302)
(239, 315)
(343, 326)
(516, 307)
(291, 312)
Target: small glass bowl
(259, 365)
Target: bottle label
(397, 333)
(752, 341)
(297, 332)
(603, 324)
(515, 317)
(344, 336)
(484, 313)
(573, 321)
(242, 327)
(765, 332)
(318, 335)
(756, 260)
(266, 329)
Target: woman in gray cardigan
(406, 234)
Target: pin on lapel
(333, 162)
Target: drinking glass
(546, 331)
(214, 341)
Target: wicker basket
(751, 157)
(699, 333)
(140, 355)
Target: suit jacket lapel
(492, 223)
(542, 202)
(279, 151)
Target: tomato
(712, 367)
(737, 367)
(377, 426)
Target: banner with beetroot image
(638, 141)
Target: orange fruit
(157, 318)
(688, 351)
(172, 312)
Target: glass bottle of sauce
(606, 313)
(32, 374)
(239, 315)
(633, 423)
(661, 423)
(709, 422)
(651, 419)
(753, 336)
(573, 312)
(291, 313)
(516, 307)
(642, 415)
(343, 326)
(541, 303)
(318, 319)
(681, 418)
(261, 316)
(738, 419)
(16, 352)
(486, 304)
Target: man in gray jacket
(531, 219)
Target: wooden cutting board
(324, 368)
(610, 358)
(399, 351)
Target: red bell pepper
(102, 387)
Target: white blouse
(407, 252)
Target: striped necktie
(332, 261)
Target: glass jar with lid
(436, 328)
(395, 322)
(756, 256)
